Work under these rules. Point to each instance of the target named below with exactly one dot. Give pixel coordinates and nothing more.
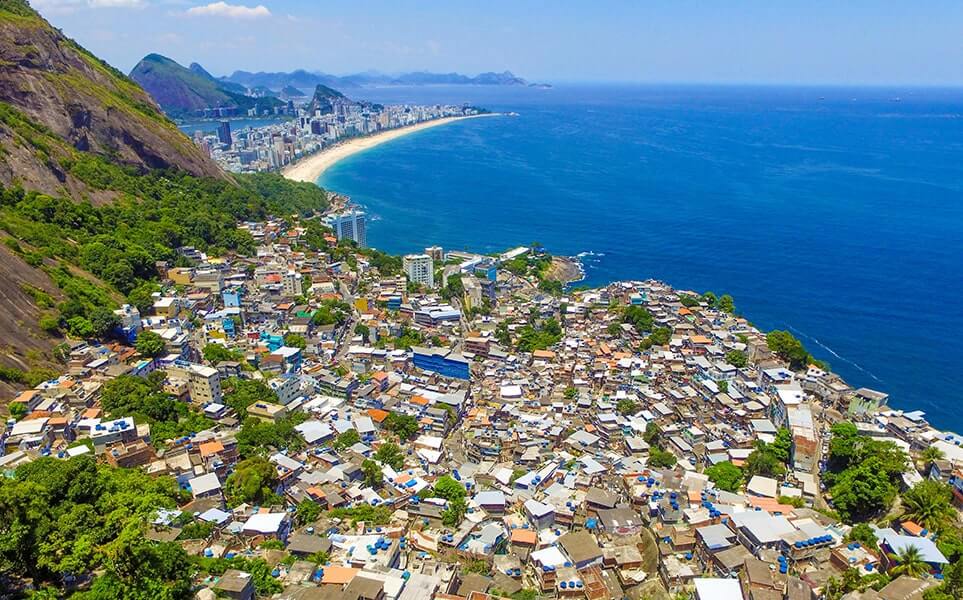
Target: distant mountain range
(193, 91)
(309, 79)
(188, 91)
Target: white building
(291, 283)
(204, 384)
(420, 269)
(349, 225)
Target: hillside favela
(413, 334)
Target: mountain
(186, 91)
(307, 79)
(289, 91)
(96, 186)
(326, 99)
(56, 98)
(298, 79)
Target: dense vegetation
(862, 473)
(61, 519)
(787, 347)
(770, 460)
(120, 242)
(145, 400)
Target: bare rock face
(56, 98)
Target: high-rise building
(224, 133)
(291, 283)
(419, 268)
(435, 252)
(204, 384)
(349, 226)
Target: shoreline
(310, 168)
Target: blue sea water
(835, 213)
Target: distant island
(301, 78)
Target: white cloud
(66, 7)
(231, 11)
(116, 3)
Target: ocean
(835, 213)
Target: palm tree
(910, 561)
(932, 453)
(929, 503)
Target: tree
(80, 327)
(932, 453)
(252, 481)
(217, 353)
(726, 476)
(661, 459)
(570, 393)
(307, 512)
(390, 454)
(787, 347)
(347, 439)
(726, 304)
(295, 340)
(402, 425)
(652, 434)
(241, 393)
(141, 298)
(448, 488)
(18, 410)
(454, 512)
(373, 476)
(861, 492)
(709, 298)
(638, 317)
(910, 562)
(625, 406)
(614, 329)
(737, 359)
(149, 344)
(49, 323)
(103, 321)
(930, 504)
(502, 335)
(863, 534)
(781, 445)
(763, 462)
(688, 301)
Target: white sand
(311, 167)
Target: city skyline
(861, 43)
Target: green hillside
(184, 92)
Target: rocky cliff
(57, 99)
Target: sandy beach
(311, 167)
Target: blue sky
(734, 41)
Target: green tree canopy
(737, 358)
(252, 481)
(402, 425)
(346, 439)
(218, 353)
(373, 476)
(930, 503)
(149, 344)
(390, 454)
(726, 476)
